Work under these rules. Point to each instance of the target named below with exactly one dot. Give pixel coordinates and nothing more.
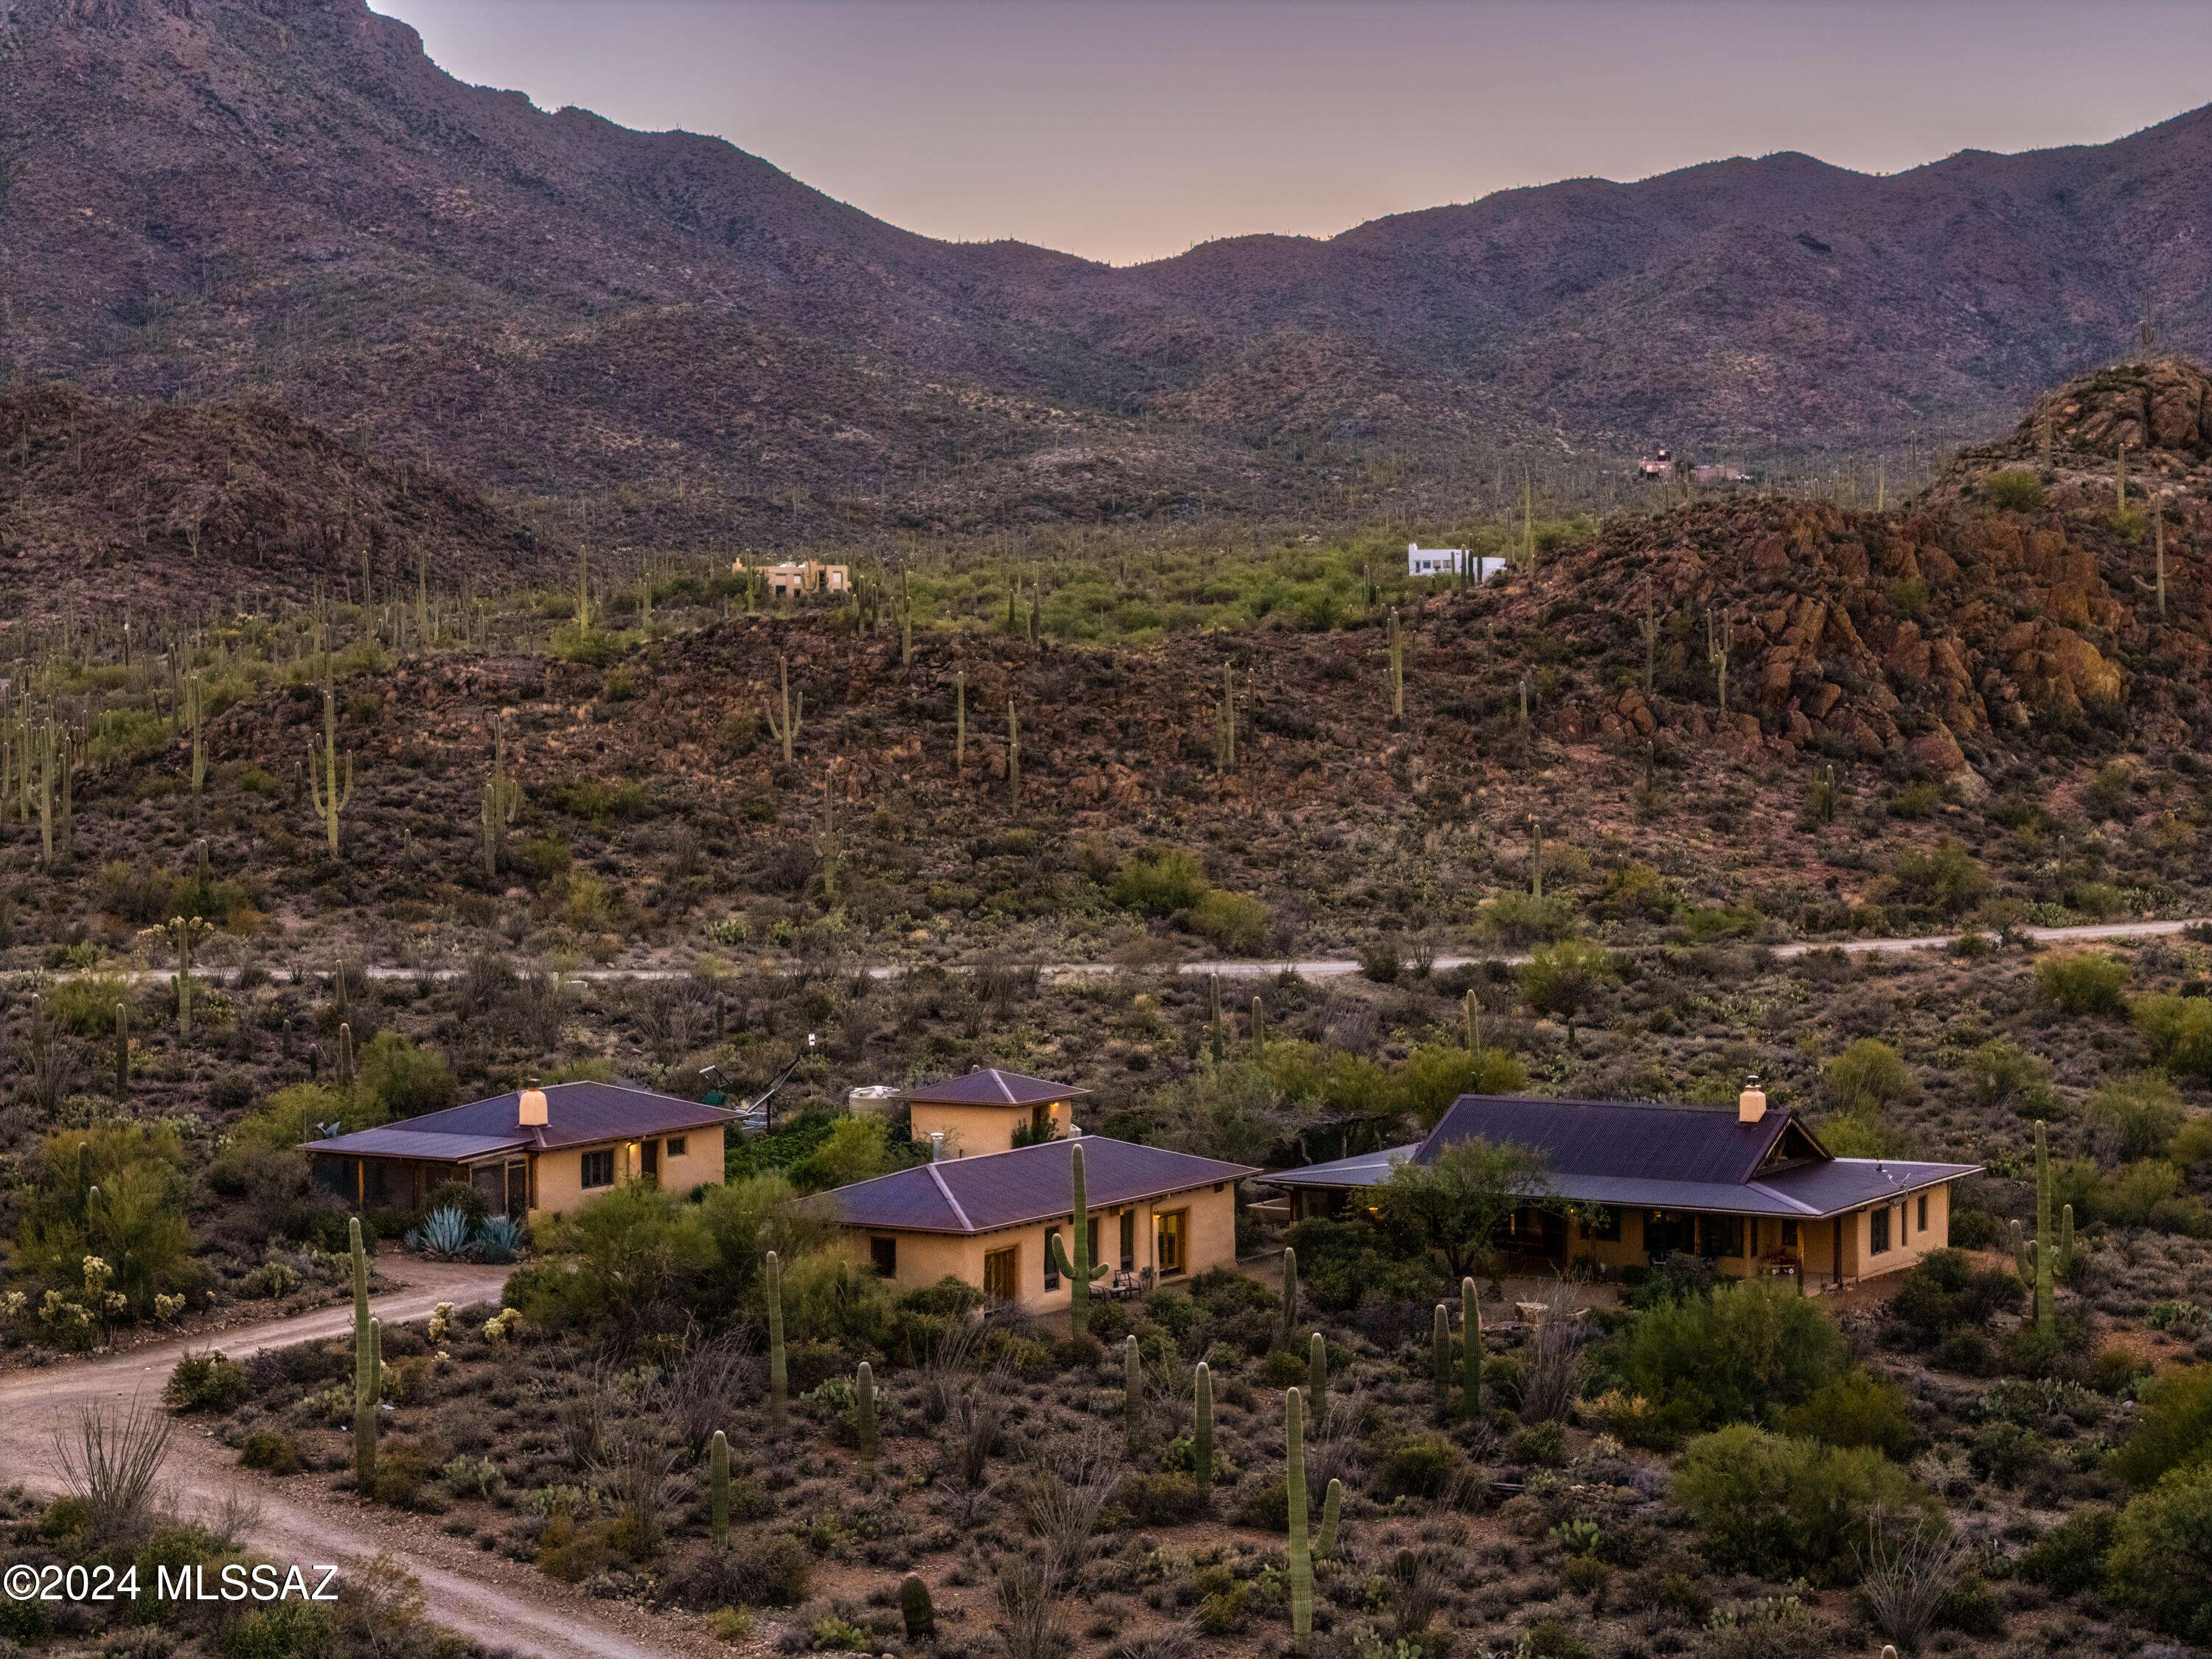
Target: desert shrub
(86, 1007)
(1235, 921)
(1945, 1295)
(2015, 489)
(205, 1382)
(404, 1077)
(1943, 879)
(1158, 1499)
(287, 1630)
(2179, 1031)
(1730, 1356)
(403, 1477)
(2004, 1074)
(631, 1257)
(571, 1553)
(1775, 1505)
(297, 1112)
(1857, 1409)
(271, 1453)
(2144, 1111)
(1160, 886)
(775, 1568)
(1867, 1076)
(854, 1148)
(136, 1229)
(2161, 1563)
(2070, 1557)
(2173, 1427)
(1419, 1466)
(2083, 982)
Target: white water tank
(871, 1100)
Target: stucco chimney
(529, 1109)
(1751, 1104)
(936, 1146)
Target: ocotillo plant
(778, 1377)
(785, 730)
(864, 1409)
(1201, 1432)
(331, 788)
(502, 800)
(1132, 1391)
(1470, 1359)
(1332, 1507)
(1289, 1298)
(718, 1486)
(1440, 1361)
(1294, 1487)
(1317, 1373)
(1080, 1272)
(368, 1365)
(915, 1609)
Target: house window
(1128, 1241)
(677, 1144)
(1603, 1224)
(1094, 1257)
(1878, 1230)
(1723, 1235)
(1922, 1223)
(1789, 1235)
(1051, 1261)
(1173, 1232)
(600, 1168)
(883, 1255)
(1001, 1273)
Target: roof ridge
(959, 1214)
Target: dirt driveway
(499, 1603)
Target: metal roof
(576, 1114)
(1028, 1183)
(988, 1086)
(1639, 1139)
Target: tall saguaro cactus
(196, 717)
(779, 1379)
(785, 730)
(718, 1486)
(1132, 1391)
(864, 1410)
(330, 777)
(1201, 1433)
(1317, 1373)
(1289, 1298)
(502, 800)
(1081, 1271)
(2045, 1259)
(1294, 1486)
(1440, 1360)
(1394, 672)
(1470, 1359)
(368, 1365)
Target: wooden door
(1002, 1274)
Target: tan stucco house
(530, 1151)
(1632, 1182)
(1156, 1217)
(988, 1110)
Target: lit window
(1173, 1226)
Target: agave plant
(500, 1239)
(443, 1234)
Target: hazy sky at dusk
(1129, 129)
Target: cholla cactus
(502, 1325)
(441, 1321)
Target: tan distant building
(796, 579)
(1156, 1217)
(990, 1111)
(530, 1151)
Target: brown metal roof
(987, 1086)
(576, 1114)
(1029, 1183)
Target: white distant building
(1441, 561)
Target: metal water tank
(871, 1100)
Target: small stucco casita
(988, 1110)
(1156, 1217)
(530, 1151)
(1752, 1192)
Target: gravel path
(499, 1603)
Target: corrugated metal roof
(1614, 1138)
(1029, 1183)
(987, 1086)
(576, 1114)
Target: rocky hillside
(144, 509)
(204, 198)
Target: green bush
(775, 1567)
(137, 1228)
(404, 1077)
(1419, 1466)
(287, 1630)
(1160, 886)
(1158, 1499)
(1858, 1409)
(1867, 1076)
(2083, 982)
(205, 1382)
(2179, 1032)
(2070, 1557)
(271, 1453)
(2015, 489)
(2144, 1111)
(2161, 1563)
(1523, 919)
(1778, 1506)
(1236, 922)
(1943, 879)
(2173, 1427)
(1731, 1355)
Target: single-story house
(1752, 1191)
(984, 1220)
(1451, 561)
(796, 578)
(530, 1151)
(990, 1110)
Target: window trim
(590, 1161)
(1177, 1224)
(1878, 1230)
(676, 1146)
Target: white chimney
(1751, 1104)
(936, 1146)
(530, 1113)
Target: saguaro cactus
(1317, 1373)
(1471, 1017)
(1440, 1357)
(1259, 1028)
(1331, 1506)
(1294, 1485)
(368, 1365)
(864, 1409)
(1224, 723)
(1132, 1390)
(718, 1486)
(1013, 748)
(779, 1379)
(785, 730)
(959, 719)
(1394, 672)
(1289, 1298)
(329, 775)
(196, 717)
(1201, 1432)
(122, 1050)
(1081, 1271)
(1217, 1039)
(915, 1609)
(502, 800)
(1470, 1359)
(2046, 1259)
(182, 933)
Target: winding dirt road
(499, 1603)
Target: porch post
(1838, 1269)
